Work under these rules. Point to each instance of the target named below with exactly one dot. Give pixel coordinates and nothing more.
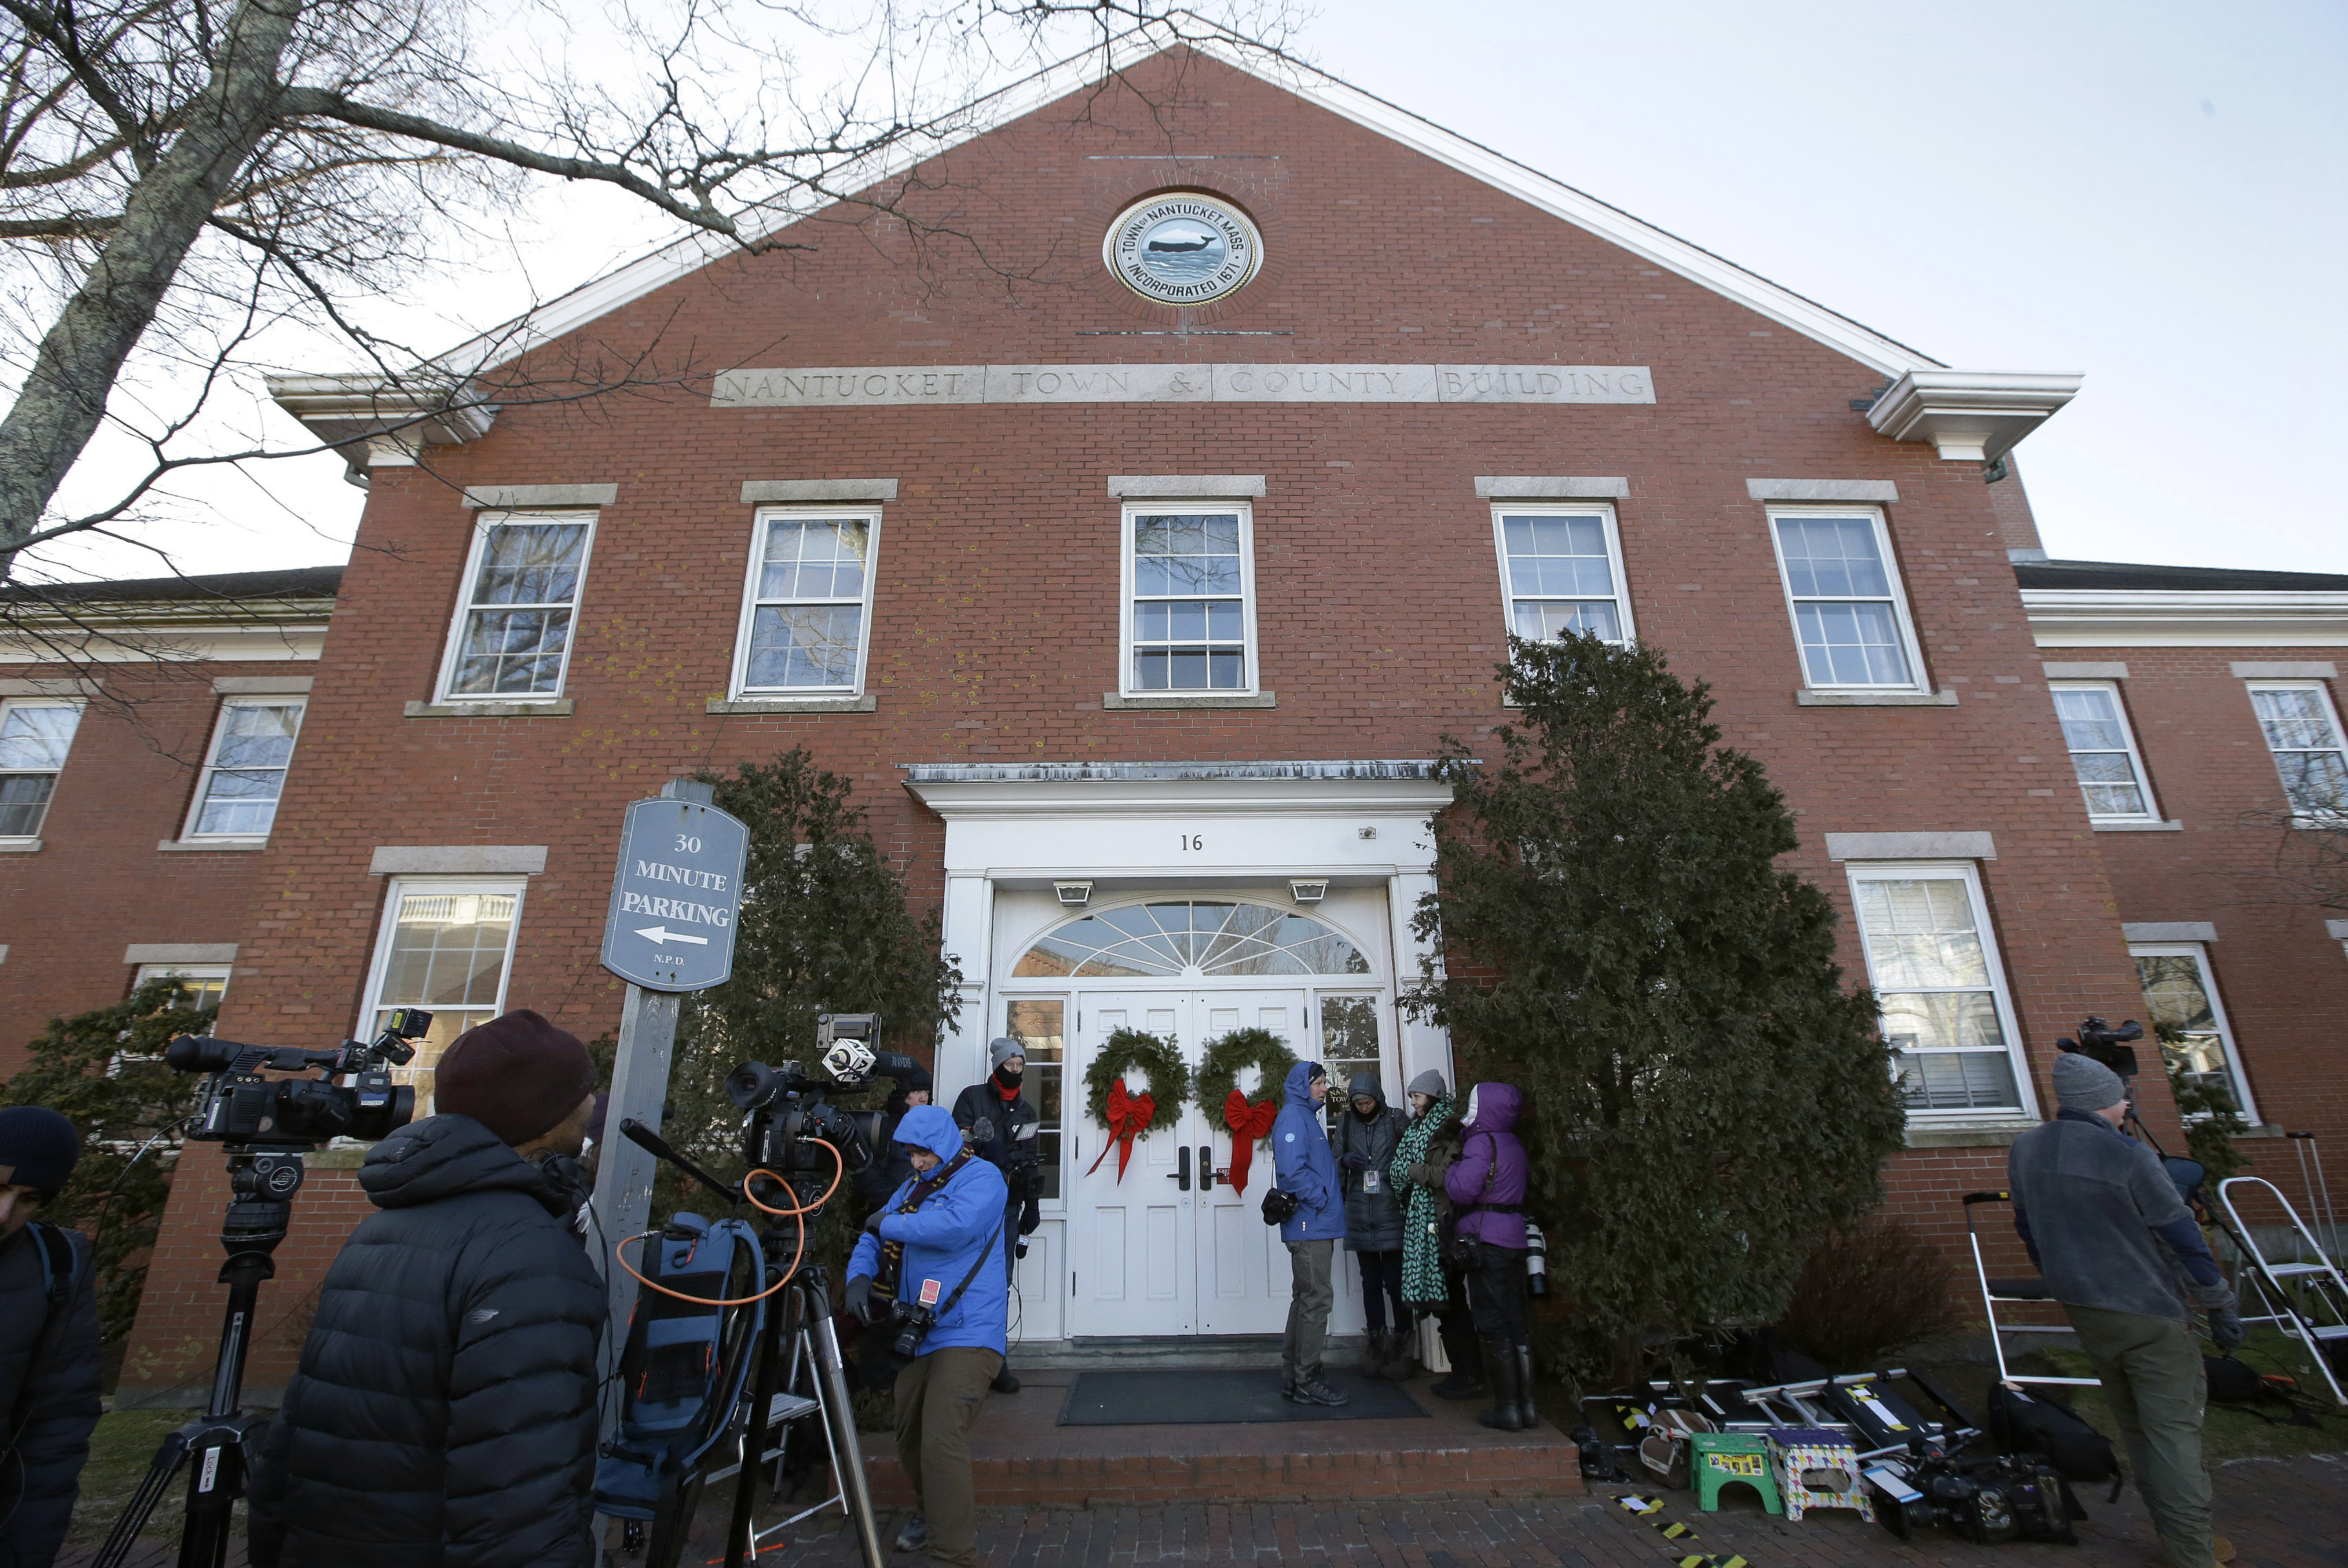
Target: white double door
(1163, 1251)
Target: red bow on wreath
(1127, 1116)
(1247, 1123)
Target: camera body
(2099, 1041)
(1983, 1501)
(787, 1111)
(236, 1104)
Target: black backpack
(2019, 1424)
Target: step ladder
(2306, 1297)
(2012, 1294)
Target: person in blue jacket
(937, 1243)
(1307, 1167)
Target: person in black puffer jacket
(1364, 1140)
(443, 1415)
(49, 1347)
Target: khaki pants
(2152, 1374)
(1312, 1294)
(937, 1398)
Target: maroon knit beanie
(518, 1076)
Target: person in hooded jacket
(1431, 1286)
(1486, 1187)
(935, 1241)
(1363, 1141)
(50, 1354)
(444, 1412)
(1306, 1168)
(1008, 1144)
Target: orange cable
(703, 1299)
(839, 1171)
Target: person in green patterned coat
(1430, 1144)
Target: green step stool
(1716, 1459)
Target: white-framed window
(194, 986)
(806, 609)
(2180, 992)
(1040, 1025)
(518, 614)
(35, 733)
(1189, 598)
(244, 770)
(2303, 731)
(2104, 757)
(1933, 963)
(1842, 588)
(1561, 571)
(446, 943)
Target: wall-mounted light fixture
(1308, 892)
(1075, 895)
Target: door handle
(1180, 1174)
(1206, 1172)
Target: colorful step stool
(1716, 1459)
(1818, 1469)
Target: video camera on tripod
(2098, 1041)
(236, 1105)
(787, 1113)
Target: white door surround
(1225, 832)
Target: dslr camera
(2098, 1041)
(787, 1111)
(235, 1104)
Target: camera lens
(200, 1054)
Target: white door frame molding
(1171, 824)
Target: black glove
(860, 1298)
(1350, 1160)
(873, 1221)
(2224, 1312)
(1029, 1218)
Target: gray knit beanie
(2083, 1083)
(1428, 1083)
(1002, 1049)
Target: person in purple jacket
(1486, 1188)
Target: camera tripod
(263, 1179)
(796, 1372)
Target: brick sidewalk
(2281, 1513)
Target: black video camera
(2098, 1041)
(787, 1107)
(1983, 1501)
(236, 1105)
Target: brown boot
(2220, 1547)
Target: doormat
(1191, 1399)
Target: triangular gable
(682, 257)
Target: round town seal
(1186, 248)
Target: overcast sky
(2154, 195)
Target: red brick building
(1134, 555)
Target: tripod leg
(739, 1532)
(142, 1504)
(215, 1480)
(842, 1413)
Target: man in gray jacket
(2120, 1250)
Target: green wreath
(1220, 1069)
(1160, 1061)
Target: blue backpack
(671, 1410)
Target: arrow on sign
(659, 933)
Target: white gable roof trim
(1668, 252)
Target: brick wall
(996, 618)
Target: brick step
(1021, 1458)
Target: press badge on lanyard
(1372, 1181)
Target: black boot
(1379, 1355)
(1528, 1418)
(1462, 1381)
(1500, 1367)
(1398, 1348)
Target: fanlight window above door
(1191, 938)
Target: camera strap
(978, 1262)
(61, 1265)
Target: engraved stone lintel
(885, 386)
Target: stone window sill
(1998, 1133)
(20, 846)
(1114, 702)
(198, 845)
(559, 708)
(844, 704)
(2137, 827)
(1809, 698)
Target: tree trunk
(62, 398)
